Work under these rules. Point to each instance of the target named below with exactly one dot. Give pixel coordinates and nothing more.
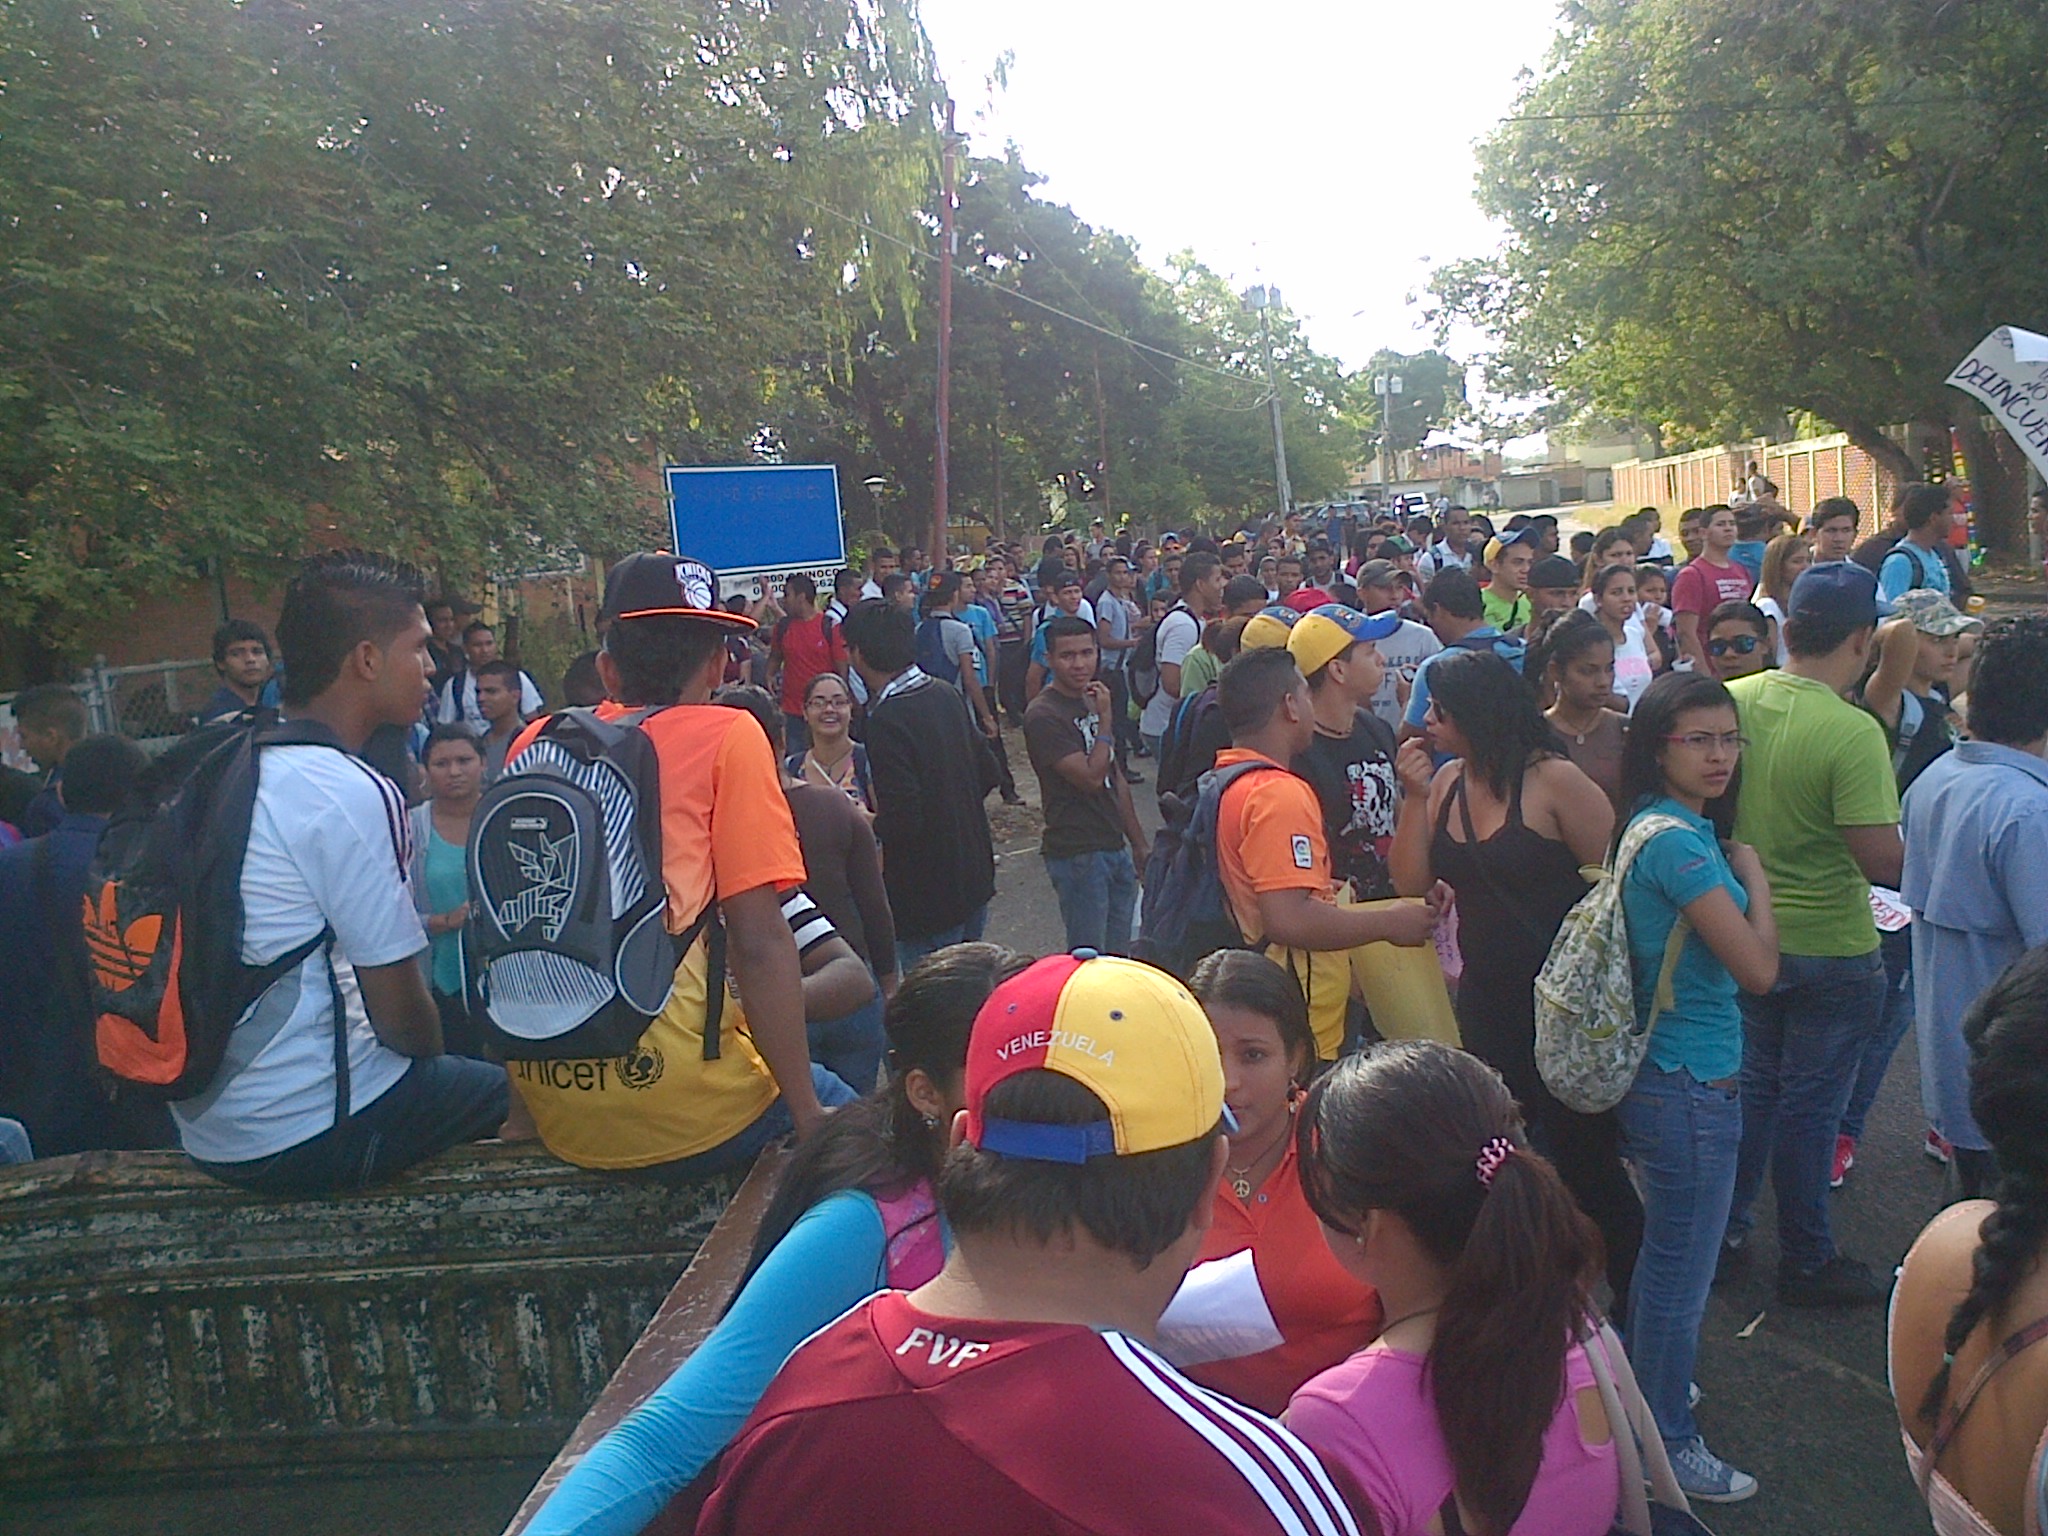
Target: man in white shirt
(1201, 599)
(458, 700)
(1380, 591)
(1452, 548)
(305, 1103)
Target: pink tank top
(1373, 1417)
(910, 1226)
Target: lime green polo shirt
(1815, 763)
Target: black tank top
(1514, 889)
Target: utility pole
(948, 251)
(1388, 387)
(1102, 444)
(1263, 298)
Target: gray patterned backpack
(1588, 1045)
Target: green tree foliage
(1432, 394)
(444, 277)
(1725, 212)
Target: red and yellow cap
(1129, 1033)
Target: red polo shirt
(1323, 1314)
(893, 1422)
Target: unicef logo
(641, 1067)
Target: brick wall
(1805, 472)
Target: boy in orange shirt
(1270, 851)
(726, 833)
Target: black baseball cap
(658, 583)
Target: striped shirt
(1007, 1429)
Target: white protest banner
(2008, 371)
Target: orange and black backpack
(163, 911)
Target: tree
(1725, 212)
(443, 277)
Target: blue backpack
(932, 657)
(1186, 914)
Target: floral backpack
(1588, 1044)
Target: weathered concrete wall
(152, 1318)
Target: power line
(984, 281)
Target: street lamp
(1388, 387)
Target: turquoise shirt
(1701, 1032)
(447, 889)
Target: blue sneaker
(1706, 1477)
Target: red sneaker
(1845, 1159)
(1937, 1146)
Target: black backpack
(163, 916)
(569, 956)
(1186, 914)
(1179, 739)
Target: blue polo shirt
(1701, 1032)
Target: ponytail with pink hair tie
(1491, 1156)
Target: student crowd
(1061, 1240)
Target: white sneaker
(1706, 1477)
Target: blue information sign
(757, 519)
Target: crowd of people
(1272, 1139)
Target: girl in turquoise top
(440, 881)
(1681, 1123)
(852, 1216)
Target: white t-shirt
(1179, 632)
(1768, 607)
(328, 848)
(1404, 651)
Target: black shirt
(931, 769)
(1353, 777)
(1077, 820)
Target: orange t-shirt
(725, 828)
(1269, 837)
(1323, 1314)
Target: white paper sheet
(1219, 1313)
(1889, 910)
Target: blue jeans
(742, 1147)
(14, 1147)
(851, 1047)
(1801, 1045)
(1897, 1018)
(1098, 892)
(1684, 1137)
(441, 1102)
(910, 951)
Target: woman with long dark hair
(1476, 1409)
(853, 1215)
(1509, 823)
(1681, 1123)
(1574, 663)
(1269, 1057)
(1972, 1300)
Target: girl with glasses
(1681, 1122)
(1738, 641)
(834, 759)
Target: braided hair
(2007, 1032)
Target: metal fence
(154, 703)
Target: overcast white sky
(1323, 144)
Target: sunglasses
(1741, 645)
